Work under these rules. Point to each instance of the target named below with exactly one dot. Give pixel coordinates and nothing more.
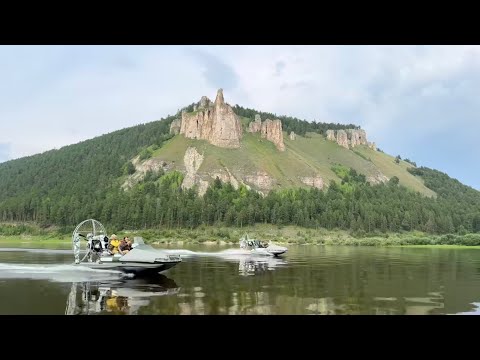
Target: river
(307, 280)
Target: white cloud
(410, 99)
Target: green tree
(407, 221)
(129, 168)
(476, 223)
(393, 181)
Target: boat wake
(37, 251)
(56, 272)
(224, 253)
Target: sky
(419, 102)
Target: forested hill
(65, 186)
(461, 200)
(73, 174)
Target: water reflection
(255, 265)
(248, 263)
(309, 280)
(475, 311)
(125, 297)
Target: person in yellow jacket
(117, 304)
(112, 304)
(114, 243)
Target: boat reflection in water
(256, 265)
(248, 263)
(117, 297)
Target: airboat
(261, 247)
(142, 258)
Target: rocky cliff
(261, 180)
(313, 181)
(255, 126)
(220, 126)
(175, 126)
(349, 138)
(216, 123)
(268, 129)
(331, 135)
(192, 161)
(141, 168)
(272, 131)
(342, 138)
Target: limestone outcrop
(175, 126)
(349, 138)
(313, 181)
(216, 123)
(261, 180)
(141, 168)
(255, 126)
(192, 161)
(226, 177)
(331, 135)
(204, 102)
(378, 178)
(353, 137)
(342, 138)
(272, 131)
(268, 129)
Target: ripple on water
(306, 280)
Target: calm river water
(307, 280)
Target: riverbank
(226, 235)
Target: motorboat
(259, 247)
(142, 258)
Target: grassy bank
(442, 246)
(28, 239)
(227, 235)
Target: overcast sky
(421, 102)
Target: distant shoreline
(283, 235)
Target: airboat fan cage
(86, 229)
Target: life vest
(112, 304)
(114, 246)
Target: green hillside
(304, 157)
(85, 180)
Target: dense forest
(75, 172)
(159, 201)
(66, 186)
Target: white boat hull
(131, 267)
(269, 252)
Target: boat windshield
(256, 243)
